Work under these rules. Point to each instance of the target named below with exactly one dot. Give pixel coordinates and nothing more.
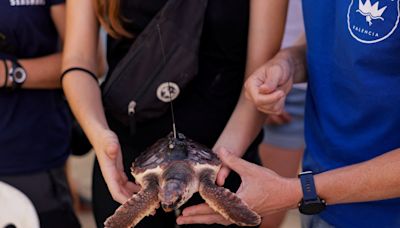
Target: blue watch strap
(308, 186)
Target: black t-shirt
(35, 125)
(204, 107)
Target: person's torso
(353, 99)
(204, 107)
(34, 124)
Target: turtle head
(173, 194)
(176, 186)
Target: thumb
(271, 82)
(222, 175)
(238, 165)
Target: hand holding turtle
(224, 170)
(110, 159)
(263, 190)
(170, 172)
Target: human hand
(203, 209)
(223, 171)
(268, 86)
(263, 190)
(280, 119)
(109, 155)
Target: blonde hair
(108, 13)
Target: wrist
(5, 77)
(18, 74)
(295, 193)
(101, 137)
(296, 57)
(311, 203)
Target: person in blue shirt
(35, 122)
(352, 117)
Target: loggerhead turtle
(170, 171)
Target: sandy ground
(81, 172)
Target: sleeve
(54, 2)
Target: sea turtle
(170, 171)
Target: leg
(232, 183)
(137, 207)
(104, 206)
(225, 202)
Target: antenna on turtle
(170, 88)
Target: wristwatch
(311, 203)
(18, 75)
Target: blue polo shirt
(34, 124)
(353, 100)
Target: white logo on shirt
(27, 2)
(370, 12)
(368, 23)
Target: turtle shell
(169, 149)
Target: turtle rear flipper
(137, 207)
(230, 206)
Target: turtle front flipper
(226, 203)
(137, 207)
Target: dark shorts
(50, 195)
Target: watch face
(19, 75)
(313, 207)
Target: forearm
(84, 97)
(242, 128)
(43, 72)
(375, 179)
(297, 56)
(80, 50)
(266, 26)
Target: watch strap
(308, 186)
(17, 69)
